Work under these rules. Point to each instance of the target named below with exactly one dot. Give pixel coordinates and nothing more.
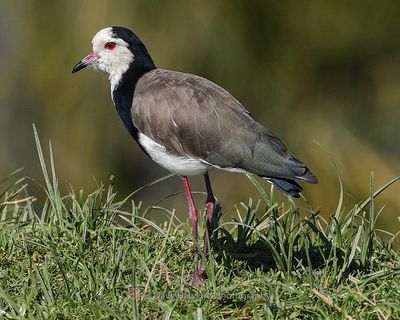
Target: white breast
(183, 166)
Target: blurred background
(323, 75)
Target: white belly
(183, 166)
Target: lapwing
(188, 124)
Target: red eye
(110, 45)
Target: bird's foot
(199, 276)
(202, 272)
(197, 280)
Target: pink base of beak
(86, 61)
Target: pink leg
(210, 205)
(193, 219)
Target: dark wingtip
(290, 187)
(309, 177)
(294, 194)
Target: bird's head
(115, 51)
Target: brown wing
(193, 116)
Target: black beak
(86, 61)
(79, 66)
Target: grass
(67, 258)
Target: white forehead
(106, 35)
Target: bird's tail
(290, 187)
(308, 176)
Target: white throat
(115, 62)
(116, 75)
(119, 67)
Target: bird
(189, 125)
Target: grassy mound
(68, 258)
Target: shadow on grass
(258, 256)
(275, 237)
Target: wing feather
(193, 116)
